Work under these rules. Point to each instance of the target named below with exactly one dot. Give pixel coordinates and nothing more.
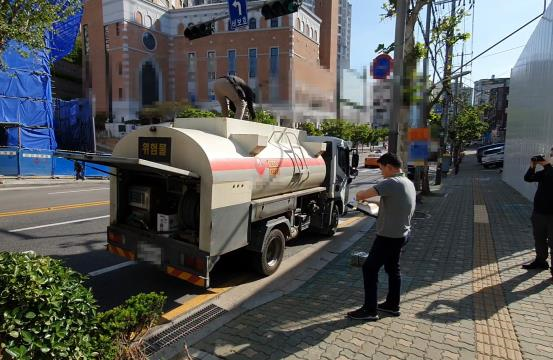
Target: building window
(232, 62)
(211, 65)
(138, 17)
(148, 21)
(274, 22)
(120, 93)
(120, 68)
(191, 66)
(274, 62)
(253, 63)
(117, 30)
(198, 2)
(149, 41)
(302, 26)
(298, 23)
(310, 32)
(252, 24)
(316, 36)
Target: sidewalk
(464, 293)
(15, 182)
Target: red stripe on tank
(257, 164)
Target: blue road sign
(382, 66)
(238, 10)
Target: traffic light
(199, 30)
(277, 8)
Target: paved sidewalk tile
(464, 293)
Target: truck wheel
(333, 225)
(268, 260)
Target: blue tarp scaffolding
(27, 123)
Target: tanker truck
(182, 194)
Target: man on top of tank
(232, 91)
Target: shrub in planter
(45, 311)
(120, 329)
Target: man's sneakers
(536, 265)
(362, 314)
(391, 310)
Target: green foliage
(468, 125)
(446, 30)
(45, 311)
(361, 134)
(434, 119)
(76, 55)
(337, 128)
(27, 21)
(310, 128)
(191, 112)
(265, 117)
(120, 327)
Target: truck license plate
(149, 253)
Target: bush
(121, 327)
(45, 311)
(192, 112)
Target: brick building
(135, 54)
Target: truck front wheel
(332, 227)
(268, 260)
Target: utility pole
(447, 96)
(424, 108)
(402, 7)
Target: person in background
(234, 92)
(78, 167)
(397, 205)
(542, 215)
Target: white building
(530, 111)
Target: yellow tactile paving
(495, 333)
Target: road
(69, 221)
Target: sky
(493, 20)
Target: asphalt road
(69, 221)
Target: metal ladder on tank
(300, 164)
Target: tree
(360, 134)
(467, 126)
(27, 22)
(337, 128)
(444, 34)
(310, 128)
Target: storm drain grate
(182, 328)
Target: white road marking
(75, 191)
(60, 223)
(111, 268)
(29, 187)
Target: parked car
(493, 157)
(481, 149)
(371, 160)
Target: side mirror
(355, 160)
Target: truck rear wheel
(268, 260)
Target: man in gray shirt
(397, 205)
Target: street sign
(382, 66)
(238, 13)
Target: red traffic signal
(277, 8)
(198, 31)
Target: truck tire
(332, 227)
(268, 260)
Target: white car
(493, 157)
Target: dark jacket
(543, 199)
(244, 92)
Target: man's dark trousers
(385, 251)
(542, 225)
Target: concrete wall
(530, 111)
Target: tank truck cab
(186, 193)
